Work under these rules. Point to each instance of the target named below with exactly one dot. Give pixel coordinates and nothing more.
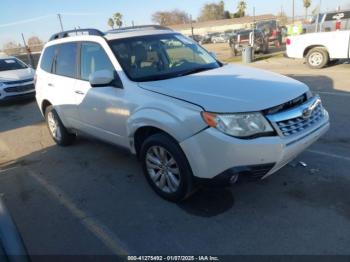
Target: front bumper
(211, 152)
(17, 97)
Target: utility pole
(60, 19)
(293, 11)
(29, 56)
(253, 40)
(191, 27)
(133, 24)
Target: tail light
(288, 41)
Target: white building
(201, 28)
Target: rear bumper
(211, 152)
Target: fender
(180, 126)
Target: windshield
(158, 57)
(11, 64)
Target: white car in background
(319, 48)
(222, 38)
(16, 79)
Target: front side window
(11, 64)
(66, 60)
(93, 58)
(157, 57)
(47, 60)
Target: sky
(39, 17)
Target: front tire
(166, 167)
(317, 58)
(57, 130)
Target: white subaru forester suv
(189, 118)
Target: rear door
(62, 82)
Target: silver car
(16, 79)
(190, 119)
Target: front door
(100, 108)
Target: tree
(213, 11)
(173, 17)
(241, 8)
(118, 19)
(283, 19)
(111, 23)
(11, 44)
(307, 4)
(34, 41)
(227, 15)
(11, 48)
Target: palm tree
(111, 23)
(118, 19)
(307, 4)
(242, 6)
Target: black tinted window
(66, 61)
(46, 61)
(11, 64)
(93, 58)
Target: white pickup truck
(319, 48)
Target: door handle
(49, 84)
(79, 92)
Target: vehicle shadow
(17, 114)
(208, 202)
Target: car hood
(231, 88)
(14, 75)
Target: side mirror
(101, 78)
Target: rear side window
(66, 60)
(93, 58)
(46, 61)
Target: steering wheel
(179, 63)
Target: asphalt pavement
(92, 198)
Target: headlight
(240, 125)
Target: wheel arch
(307, 50)
(143, 132)
(44, 104)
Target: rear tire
(166, 167)
(57, 130)
(317, 58)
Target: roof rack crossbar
(130, 28)
(64, 34)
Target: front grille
(299, 124)
(18, 89)
(18, 81)
(290, 104)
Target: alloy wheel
(163, 169)
(54, 126)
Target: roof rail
(139, 27)
(64, 34)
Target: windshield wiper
(195, 70)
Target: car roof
(94, 34)
(134, 33)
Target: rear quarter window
(47, 59)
